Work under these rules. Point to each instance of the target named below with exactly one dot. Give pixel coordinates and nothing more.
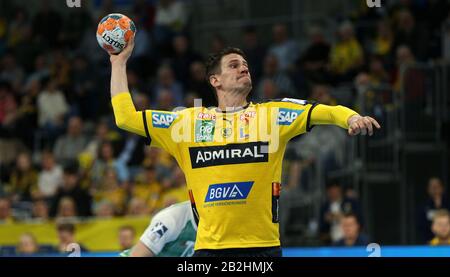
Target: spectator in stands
(72, 143)
(441, 228)
(436, 200)
(52, 108)
(281, 80)
(66, 208)
(197, 84)
(18, 27)
(332, 212)
(127, 236)
(66, 237)
(347, 54)
(182, 59)
(317, 150)
(23, 179)
(254, 52)
(83, 88)
(137, 207)
(377, 72)
(268, 89)
(285, 49)
(316, 55)
(102, 133)
(71, 188)
(11, 71)
(159, 159)
(171, 18)
(110, 190)
(40, 210)
(410, 34)
(27, 245)
(8, 105)
(166, 100)
(404, 59)
(382, 43)
(104, 209)
(175, 190)
(107, 159)
(148, 188)
(351, 230)
(314, 61)
(5, 211)
(50, 177)
(166, 81)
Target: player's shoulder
(283, 103)
(174, 211)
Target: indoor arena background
(64, 165)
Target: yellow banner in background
(95, 235)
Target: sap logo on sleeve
(287, 116)
(228, 191)
(163, 120)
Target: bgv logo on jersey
(162, 120)
(287, 116)
(228, 191)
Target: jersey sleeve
(293, 116)
(162, 230)
(156, 126)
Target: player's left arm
(343, 117)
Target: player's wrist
(119, 63)
(352, 119)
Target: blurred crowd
(62, 155)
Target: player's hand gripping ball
(114, 32)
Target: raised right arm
(125, 113)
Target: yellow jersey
(231, 160)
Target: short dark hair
(351, 214)
(71, 168)
(67, 227)
(214, 60)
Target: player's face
(235, 75)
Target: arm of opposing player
(343, 117)
(160, 232)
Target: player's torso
(231, 163)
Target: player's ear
(214, 80)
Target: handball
(114, 32)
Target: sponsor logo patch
(237, 153)
(158, 231)
(204, 130)
(228, 191)
(287, 116)
(162, 120)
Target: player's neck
(232, 102)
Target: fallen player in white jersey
(171, 233)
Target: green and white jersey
(172, 232)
